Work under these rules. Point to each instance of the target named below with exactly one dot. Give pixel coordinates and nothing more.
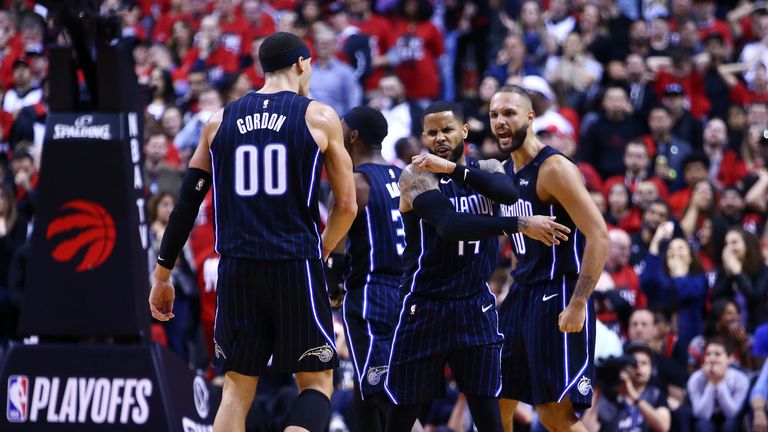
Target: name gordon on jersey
(89, 400)
(265, 120)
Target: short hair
(695, 157)
(444, 106)
(723, 342)
(512, 88)
(277, 44)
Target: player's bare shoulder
(415, 181)
(213, 125)
(491, 165)
(556, 175)
(323, 122)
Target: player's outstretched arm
(194, 187)
(560, 179)
(325, 126)
(490, 179)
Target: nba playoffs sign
(87, 273)
(103, 388)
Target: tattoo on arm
(414, 182)
(584, 287)
(491, 165)
(522, 224)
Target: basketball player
(547, 319)
(265, 151)
(448, 314)
(373, 267)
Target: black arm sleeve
(437, 209)
(194, 187)
(496, 186)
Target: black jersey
(266, 178)
(441, 268)
(537, 262)
(377, 237)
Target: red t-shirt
(164, 25)
(741, 95)
(235, 36)
(679, 200)
(418, 46)
(693, 85)
(264, 29)
(219, 62)
(379, 30)
(732, 168)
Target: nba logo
(18, 392)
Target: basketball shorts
(462, 333)
(541, 364)
(277, 309)
(370, 315)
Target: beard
(455, 154)
(516, 140)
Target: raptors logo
(89, 227)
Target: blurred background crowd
(662, 103)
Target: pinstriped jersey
(266, 169)
(441, 268)
(376, 240)
(537, 262)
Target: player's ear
(465, 131)
(353, 134)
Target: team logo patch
(18, 396)
(375, 374)
(324, 353)
(584, 386)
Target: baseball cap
(538, 84)
(369, 123)
(674, 89)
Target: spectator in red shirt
(163, 28)
(417, 46)
(756, 89)
(235, 30)
(254, 72)
(638, 166)
(617, 265)
(379, 29)
(708, 22)
(725, 167)
(695, 169)
(702, 205)
(210, 55)
(181, 40)
(260, 24)
(620, 213)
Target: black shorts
(370, 315)
(462, 333)
(277, 309)
(541, 364)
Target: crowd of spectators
(663, 104)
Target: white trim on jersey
(351, 342)
(554, 249)
(392, 350)
(309, 201)
(421, 254)
(365, 296)
(496, 311)
(576, 250)
(215, 211)
(570, 383)
(314, 311)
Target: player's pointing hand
(543, 229)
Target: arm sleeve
(194, 187)
(437, 209)
(496, 186)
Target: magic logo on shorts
(18, 396)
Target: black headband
(284, 60)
